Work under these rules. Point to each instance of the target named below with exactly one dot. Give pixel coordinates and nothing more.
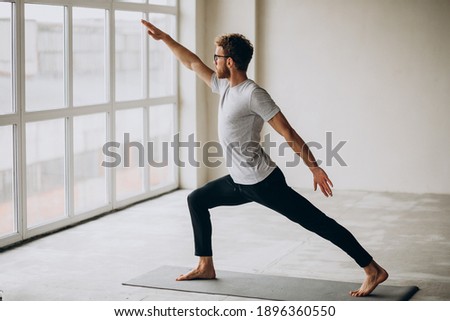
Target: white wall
(374, 73)
(226, 16)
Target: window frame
(20, 117)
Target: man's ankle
(206, 262)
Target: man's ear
(230, 62)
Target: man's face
(222, 70)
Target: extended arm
(282, 126)
(184, 55)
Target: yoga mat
(267, 287)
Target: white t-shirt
(243, 109)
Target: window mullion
(19, 101)
(111, 135)
(68, 57)
(69, 168)
(68, 97)
(18, 227)
(146, 136)
(146, 94)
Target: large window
(130, 173)
(7, 219)
(44, 57)
(8, 222)
(89, 135)
(79, 80)
(89, 52)
(45, 171)
(6, 59)
(129, 56)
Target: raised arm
(184, 55)
(282, 126)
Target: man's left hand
(321, 179)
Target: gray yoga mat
(267, 287)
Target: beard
(223, 73)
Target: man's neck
(237, 77)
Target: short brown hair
(237, 47)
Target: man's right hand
(185, 56)
(154, 32)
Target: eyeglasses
(216, 57)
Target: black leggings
(274, 193)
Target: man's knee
(194, 197)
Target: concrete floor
(408, 234)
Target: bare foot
(375, 275)
(197, 274)
(204, 271)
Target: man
(244, 107)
